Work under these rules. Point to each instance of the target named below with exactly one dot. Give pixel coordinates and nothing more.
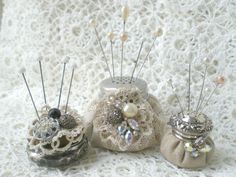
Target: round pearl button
(130, 110)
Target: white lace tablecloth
(55, 29)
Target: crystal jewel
(133, 124)
(188, 147)
(129, 136)
(45, 128)
(122, 129)
(195, 153)
(207, 148)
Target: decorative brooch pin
(188, 145)
(125, 117)
(57, 137)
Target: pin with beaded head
(191, 128)
(57, 137)
(124, 103)
(119, 80)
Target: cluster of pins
(123, 38)
(53, 112)
(203, 100)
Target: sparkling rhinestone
(201, 118)
(121, 129)
(128, 136)
(45, 128)
(207, 148)
(135, 133)
(188, 147)
(114, 115)
(195, 153)
(133, 124)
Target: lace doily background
(56, 29)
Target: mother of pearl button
(130, 110)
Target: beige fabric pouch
(172, 148)
(106, 135)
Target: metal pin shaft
(208, 99)
(106, 61)
(200, 96)
(145, 59)
(30, 95)
(189, 86)
(71, 79)
(42, 79)
(181, 108)
(112, 59)
(62, 80)
(136, 62)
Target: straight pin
(136, 62)
(71, 79)
(219, 81)
(123, 39)
(200, 96)
(122, 58)
(146, 57)
(42, 80)
(173, 89)
(62, 80)
(189, 86)
(100, 44)
(208, 99)
(23, 74)
(112, 59)
(124, 36)
(110, 37)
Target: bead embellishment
(196, 150)
(122, 113)
(57, 136)
(128, 130)
(45, 128)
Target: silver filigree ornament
(45, 128)
(57, 137)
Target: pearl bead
(123, 37)
(125, 12)
(110, 36)
(130, 110)
(92, 23)
(158, 32)
(206, 60)
(220, 80)
(207, 89)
